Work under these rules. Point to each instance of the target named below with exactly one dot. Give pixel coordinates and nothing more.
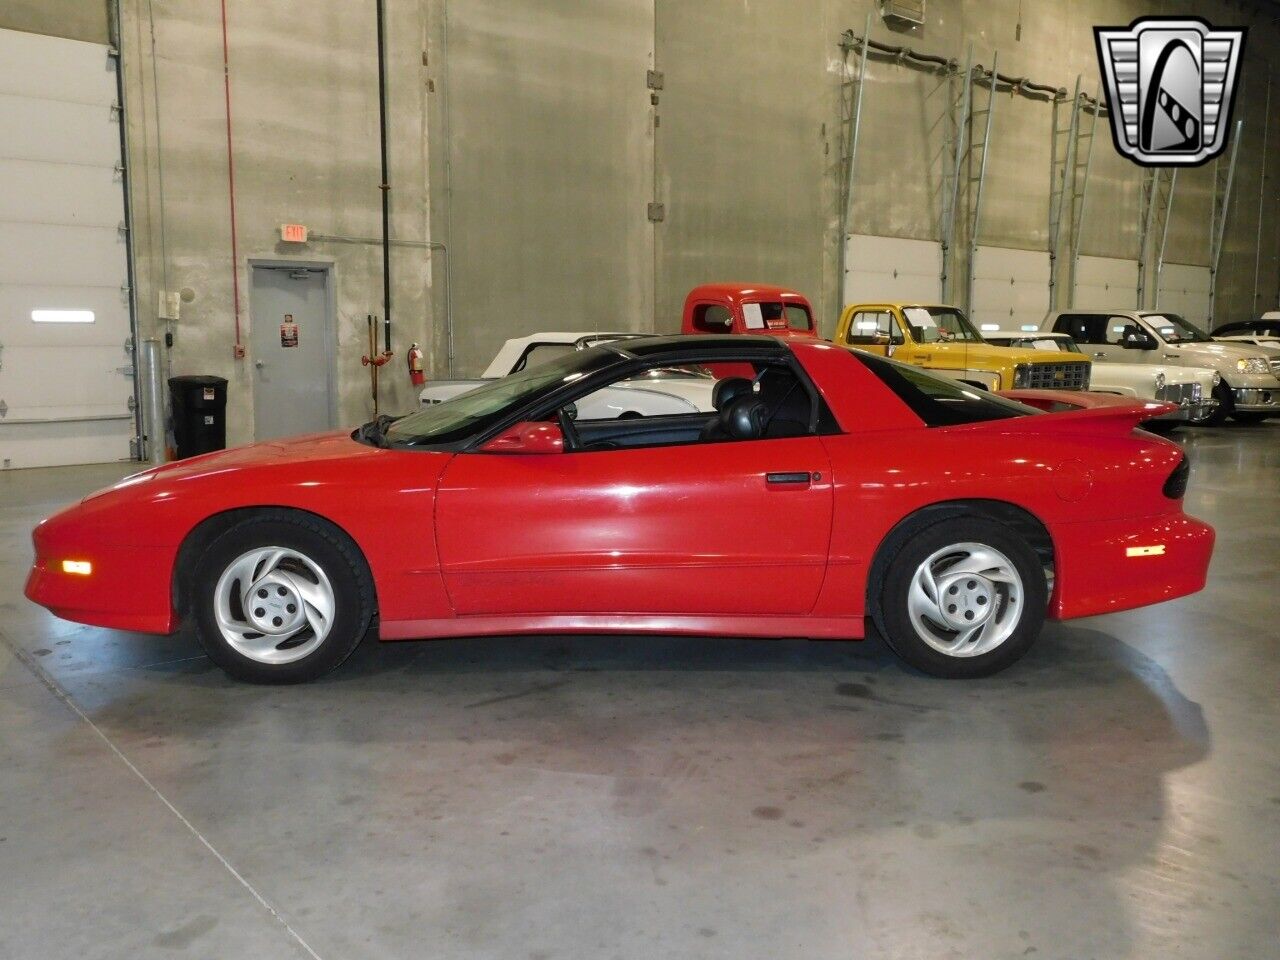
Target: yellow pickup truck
(942, 339)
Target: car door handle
(1099, 355)
(802, 476)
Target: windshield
(939, 325)
(1174, 329)
(468, 413)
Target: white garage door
(1106, 283)
(65, 380)
(1184, 290)
(891, 269)
(1010, 288)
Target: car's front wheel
(281, 598)
(962, 598)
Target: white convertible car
(658, 392)
(1191, 388)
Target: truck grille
(1275, 367)
(1058, 376)
(1183, 394)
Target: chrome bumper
(1192, 402)
(1256, 400)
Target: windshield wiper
(374, 432)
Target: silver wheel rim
(274, 605)
(965, 600)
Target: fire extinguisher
(416, 372)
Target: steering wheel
(565, 417)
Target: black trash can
(199, 408)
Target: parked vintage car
(941, 339)
(1190, 389)
(660, 391)
(1249, 390)
(752, 308)
(832, 487)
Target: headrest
(728, 389)
(744, 417)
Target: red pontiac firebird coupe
(830, 487)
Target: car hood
(310, 448)
(978, 352)
(1217, 351)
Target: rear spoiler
(1118, 419)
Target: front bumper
(129, 588)
(1193, 403)
(1102, 566)
(1256, 399)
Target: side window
(1082, 327)
(797, 317)
(1117, 327)
(872, 326)
(712, 318)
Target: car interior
(774, 404)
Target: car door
(693, 529)
(874, 330)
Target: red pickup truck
(747, 308)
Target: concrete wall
(72, 19)
(555, 148)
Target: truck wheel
(1225, 408)
(281, 598)
(963, 598)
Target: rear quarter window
(940, 402)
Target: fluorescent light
(991, 326)
(80, 568)
(62, 316)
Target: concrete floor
(1115, 795)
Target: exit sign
(293, 233)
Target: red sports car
(829, 487)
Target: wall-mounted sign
(293, 233)
(288, 332)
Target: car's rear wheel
(1218, 416)
(281, 598)
(962, 598)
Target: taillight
(1175, 488)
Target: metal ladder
(1158, 185)
(979, 148)
(955, 147)
(1223, 180)
(1070, 162)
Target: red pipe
(231, 184)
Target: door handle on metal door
(798, 477)
(1099, 355)
(259, 364)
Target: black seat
(722, 394)
(787, 402)
(743, 418)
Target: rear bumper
(1108, 565)
(129, 588)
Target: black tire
(1225, 408)
(326, 546)
(1249, 418)
(889, 608)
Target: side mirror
(1137, 340)
(527, 437)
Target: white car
(659, 392)
(1191, 388)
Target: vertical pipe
(1078, 226)
(855, 126)
(949, 225)
(385, 185)
(1219, 221)
(1262, 193)
(131, 278)
(152, 400)
(231, 180)
(982, 176)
